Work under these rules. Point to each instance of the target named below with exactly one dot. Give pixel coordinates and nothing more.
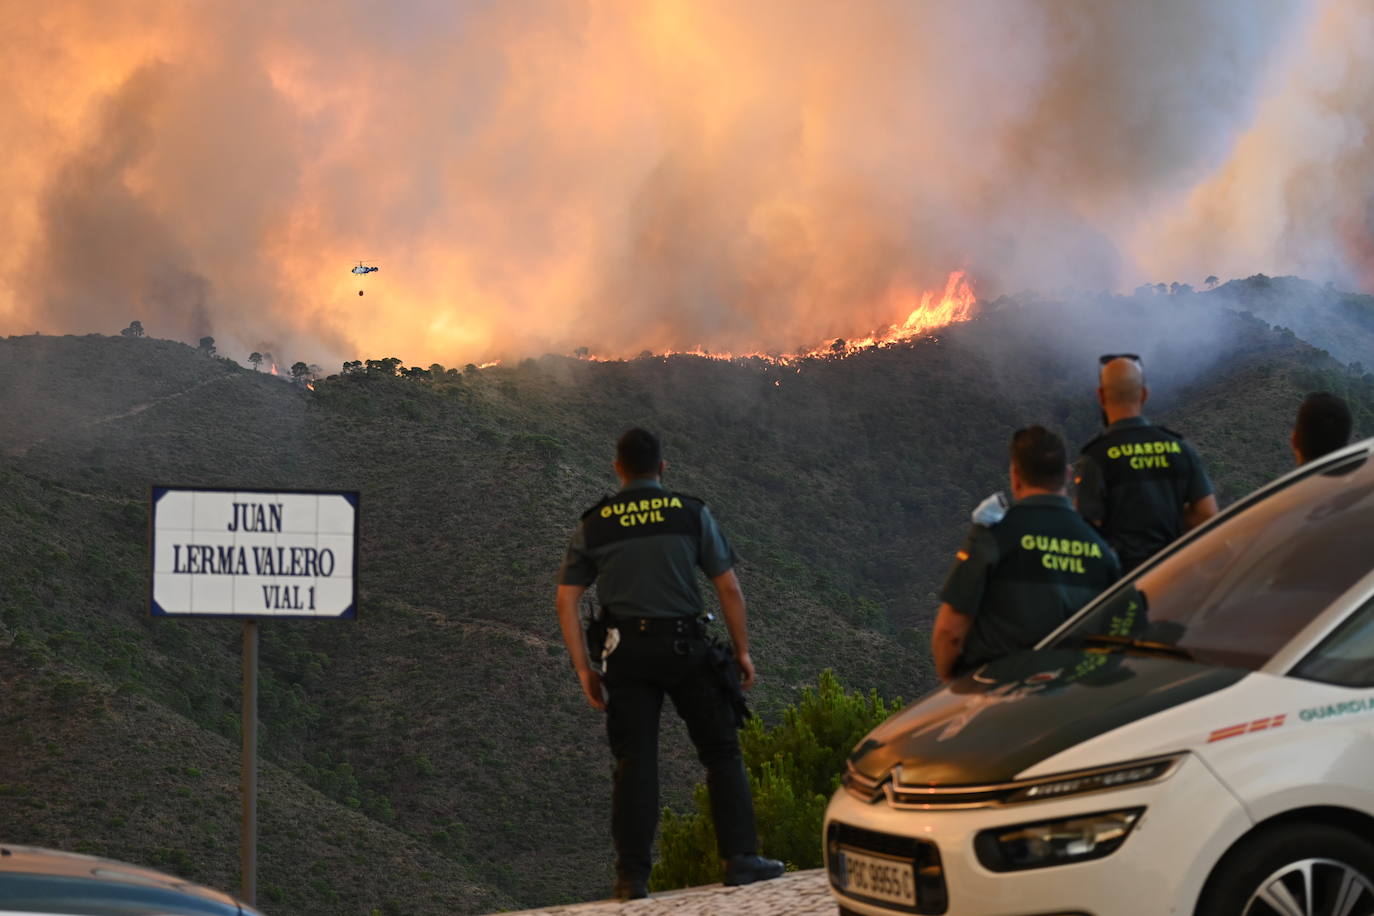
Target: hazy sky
(539, 175)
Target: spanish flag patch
(961, 556)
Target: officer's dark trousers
(638, 674)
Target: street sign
(254, 553)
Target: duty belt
(658, 626)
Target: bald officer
(644, 547)
(1016, 580)
(1141, 485)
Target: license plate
(885, 878)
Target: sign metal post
(248, 779)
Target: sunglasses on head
(1108, 357)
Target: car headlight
(1115, 777)
(1040, 788)
(1058, 842)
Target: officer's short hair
(639, 452)
(1323, 425)
(1039, 457)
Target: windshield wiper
(1141, 645)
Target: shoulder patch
(601, 502)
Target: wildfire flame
(932, 311)
(955, 304)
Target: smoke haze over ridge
(538, 175)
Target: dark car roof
(34, 880)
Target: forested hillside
(435, 755)
(1324, 316)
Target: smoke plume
(541, 175)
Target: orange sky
(538, 175)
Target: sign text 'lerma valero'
(254, 553)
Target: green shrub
(794, 767)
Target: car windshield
(1242, 590)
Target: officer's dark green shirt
(642, 548)
(1025, 575)
(1135, 480)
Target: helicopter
(364, 269)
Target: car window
(1346, 657)
(1241, 591)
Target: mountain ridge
(445, 716)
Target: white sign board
(254, 553)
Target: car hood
(990, 726)
(50, 877)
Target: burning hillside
(955, 304)
(929, 311)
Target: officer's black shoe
(630, 889)
(746, 869)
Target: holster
(595, 631)
(721, 657)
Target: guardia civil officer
(1017, 579)
(643, 548)
(1323, 425)
(1141, 485)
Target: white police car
(1198, 740)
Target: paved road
(801, 893)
